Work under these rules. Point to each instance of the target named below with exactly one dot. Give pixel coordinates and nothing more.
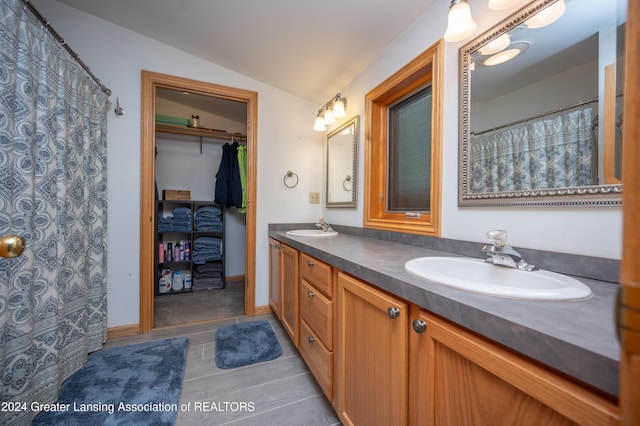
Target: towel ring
(290, 174)
(344, 183)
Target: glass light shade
(329, 117)
(501, 4)
(319, 125)
(338, 109)
(497, 45)
(460, 23)
(547, 15)
(502, 57)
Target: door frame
(151, 81)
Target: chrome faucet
(501, 253)
(322, 224)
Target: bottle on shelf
(176, 252)
(177, 284)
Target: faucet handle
(498, 236)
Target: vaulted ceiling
(308, 48)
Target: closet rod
(45, 22)
(555, 111)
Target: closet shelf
(190, 131)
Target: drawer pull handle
(419, 326)
(393, 313)
(311, 339)
(310, 263)
(310, 294)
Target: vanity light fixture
(547, 15)
(495, 46)
(335, 108)
(319, 124)
(460, 24)
(506, 55)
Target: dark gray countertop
(576, 338)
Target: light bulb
(460, 24)
(338, 109)
(547, 15)
(328, 117)
(496, 45)
(319, 125)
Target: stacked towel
(208, 277)
(178, 221)
(208, 218)
(206, 248)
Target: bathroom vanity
(388, 347)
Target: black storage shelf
(165, 207)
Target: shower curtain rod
(45, 22)
(524, 120)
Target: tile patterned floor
(280, 392)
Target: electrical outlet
(314, 198)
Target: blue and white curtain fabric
(53, 193)
(549, 153)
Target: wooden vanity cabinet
(316, 320)
(372, 346)
(383, 361)
(275, 283)
(283, 286)
(458, 378)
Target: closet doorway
(154, 85)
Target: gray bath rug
(246, 343)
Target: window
(409, 147)
(403, 148)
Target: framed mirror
(342, 148)
(541, 107)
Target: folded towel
(208, 211)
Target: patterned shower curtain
(52, 192)
(549, 153)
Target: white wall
(594, 231)
(285, 141)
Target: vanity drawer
(317, 311)
(316, 273)
(317, 357)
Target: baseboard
(123, 331)
(263, 310)
(231, 278)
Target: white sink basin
(311, 233)
(478, 276)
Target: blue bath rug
(127, 385)
(246, 343)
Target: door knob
(11, 246)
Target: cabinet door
(289, 301)
(274, 277)
(372, 352)
(458, 378)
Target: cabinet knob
(419, 326)
(310, 263)
(310, 294)
(393, 313)
(311, 339)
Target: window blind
(409, 145)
